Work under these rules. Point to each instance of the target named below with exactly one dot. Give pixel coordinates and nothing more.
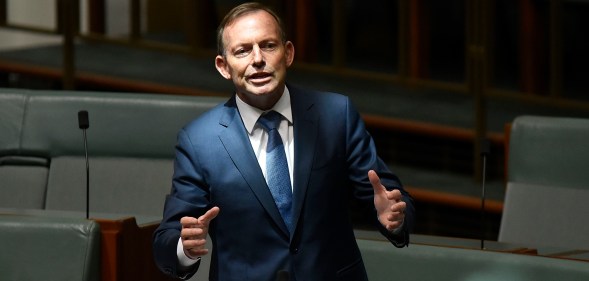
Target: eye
(269, 46)
(241, 52)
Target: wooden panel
(127, 251)
(455, 200)
(3, 12)
(96, 16)
(532, 49)
(304, 29)
(418, 40)
(164, 16)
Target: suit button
(294, 250)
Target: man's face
(255, 58)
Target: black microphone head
(485, 147)
(83, 119)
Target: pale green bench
(49, 248)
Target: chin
(266, 90)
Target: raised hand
(389, 206)
(194, 233)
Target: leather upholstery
(130, 125)
(49, 248)
(120, 185)
(550, 151)
(426, 262)
(548, 183)
(12, 108)
(131, 142)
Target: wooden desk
(127, 251)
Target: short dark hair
(239, 11)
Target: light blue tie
(277, 174)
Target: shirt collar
(250, 114)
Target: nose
(258, 56)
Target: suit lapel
(237, 144)
(305, 122)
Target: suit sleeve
(362, 157)
(187, 198)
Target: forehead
(251, 25)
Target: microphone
(485, 151)
(83, 119)
(282, 275)
(84, 124)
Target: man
(225, 184)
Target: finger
(195, 248)
(397, 216)
(209, 215)
(399, 207)
(375, 182)
(394, 220)
(188, 222)
(195, 252)
(194, 243)
(394, 194)
(191, 233)
(393, 225)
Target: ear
(222, 67)
(289, 51)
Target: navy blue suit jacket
(216, 166)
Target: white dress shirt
(259, 137)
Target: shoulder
(318, 97)
(314, 93)
(211, 119)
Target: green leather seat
(384, 262)
(131, 142)
(49, 248)
(23, 178)
(548, 183)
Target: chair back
(547, 183)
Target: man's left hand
(389, 205)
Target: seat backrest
(121, 124)
(384, 262)
(49, 248)
(118, 185)
(23, 179)
(12, 109)
(548, 183)
(131, 142)
(23, 182)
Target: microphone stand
(485, 150)
(87, 176)
(84, 124)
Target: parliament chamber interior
(481, 108)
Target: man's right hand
(194, 233)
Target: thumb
(375, 181)
(209, 215)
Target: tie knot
(270, 120)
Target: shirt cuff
(183, 260)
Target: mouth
(260, 78)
